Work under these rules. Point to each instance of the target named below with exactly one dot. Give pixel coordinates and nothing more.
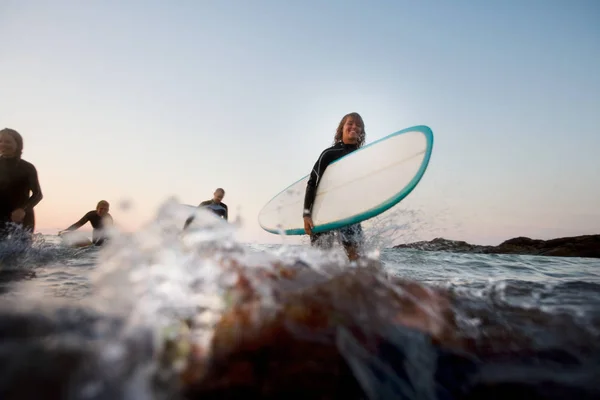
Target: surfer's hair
(102, 203)
(340, 129)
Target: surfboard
(75, 239)
(356, 187)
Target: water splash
(163, 275)
(160, 293)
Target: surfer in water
(100, 220)
(215, 205)
(349, 136)
(18, 179)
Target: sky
(136, 102)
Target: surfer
(349, 136)
(215, 205)
(100, 220)
(18, 178)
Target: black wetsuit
(17, 179)
(220, 209)
(98, 223)
(351, 235)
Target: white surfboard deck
(356, 187)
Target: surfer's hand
(308, 225)
(17, 215)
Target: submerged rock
(362, 334)
(331, 333)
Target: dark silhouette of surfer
(20, 188)
(215, 205)
(99, 218)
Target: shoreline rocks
(573, 246)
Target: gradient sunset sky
(142, 100)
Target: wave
(199, 315)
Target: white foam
(160, 275)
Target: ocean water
(90, 323)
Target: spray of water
(162, 275)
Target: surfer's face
(8, 145)
(102, 210)
(352, 131)
(218, 196)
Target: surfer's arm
(309, 199)
(313, 182)
(188, 222)
(36, 190)
(226, 215)
(311, 190)
(79, 223)
(191, 218)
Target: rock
(574, 246)
(323, 340)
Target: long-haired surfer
(349, 136)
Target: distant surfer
(100, 219)
(18, 178)
(215, 205)
(349, 136)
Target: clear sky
(141, 100)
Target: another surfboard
(356, 187)
(75, 239)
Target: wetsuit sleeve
(313, 183)
(188, 222)
(36, 190)
(80, 223)
(226, 216)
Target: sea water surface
(546, 310)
